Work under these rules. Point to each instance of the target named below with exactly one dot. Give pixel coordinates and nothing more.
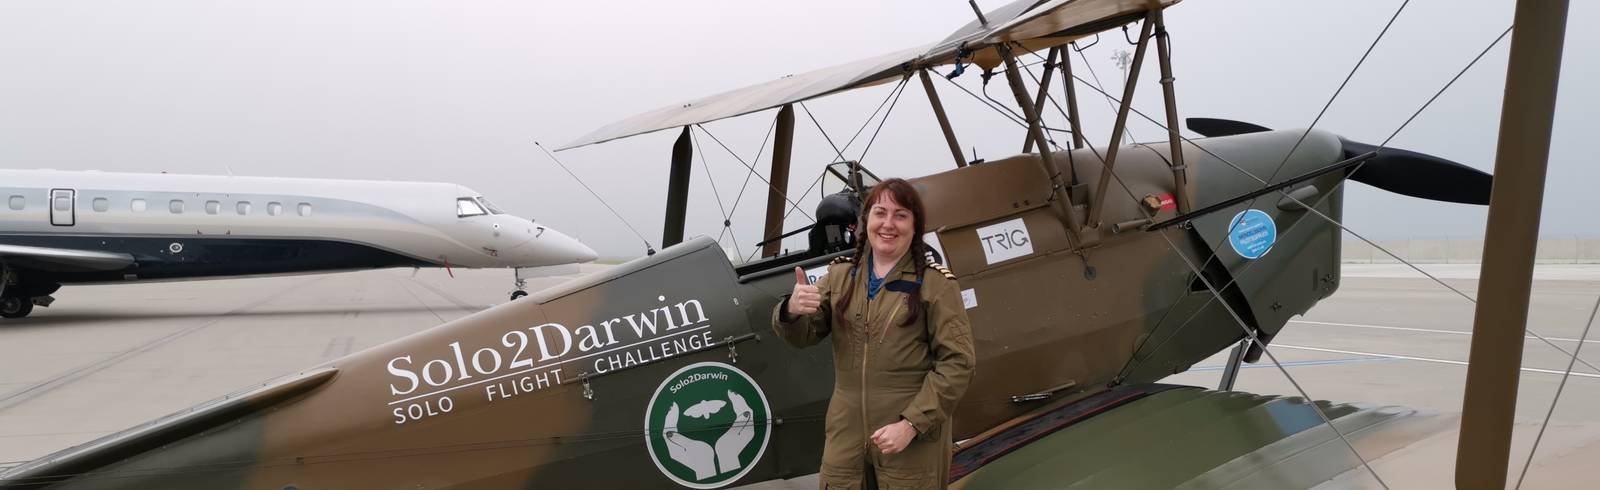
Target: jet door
(63, 207)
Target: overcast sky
(460, 91)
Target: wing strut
(1036, 130)
(1501, 319)
(1044, 92)
(1117, 129)
(1183, 190)
(778, 185)
(678, 190)
(944, 120)
(1068, 85)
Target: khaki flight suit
(885, 372)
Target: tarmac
(104, 358)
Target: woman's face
(889, 227)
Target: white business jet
(86, 227)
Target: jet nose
(566, 250)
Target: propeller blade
(1210, 127)
(1395, 170)
(1420, 175)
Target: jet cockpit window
(493, 209)
(466, 206)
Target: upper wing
(62, 259)
(1032, 23)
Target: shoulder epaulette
(942, 269)
(842, 259)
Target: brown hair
(905, 195)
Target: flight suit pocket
(901, 479)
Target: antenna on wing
(648, 249)
(975, 10)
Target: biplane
(1090, 273)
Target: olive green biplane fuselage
(558, 390)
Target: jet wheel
(515, 295)
(15, 307)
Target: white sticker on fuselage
(969, 298)
(1005, 241)
(815, 274)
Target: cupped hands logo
(707, 425)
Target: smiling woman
(904, 354)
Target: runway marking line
(1322, 362)
(17, 397)
(1421, 359)
(1425, 330)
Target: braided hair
(902, 193)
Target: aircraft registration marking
(1005, 241)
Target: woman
(902, 349)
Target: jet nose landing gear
(521, 287)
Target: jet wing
(1166, 436)
(62, 259)
(1032, 23)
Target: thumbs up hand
(806, 298)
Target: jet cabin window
(213, 207)
(176, 206)
(466, 206)
(101, 204)
(273, 209)
(243, 207)
(137, 205)
(305, 209)
(18, 202)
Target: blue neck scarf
(874, 283)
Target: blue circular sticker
(1252, 233)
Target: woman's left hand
(894, 437)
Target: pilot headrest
(840, 208)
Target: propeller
(1395, 170)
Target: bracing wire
(1101, 88)
(1313, 210)
(1557, 399)
(1351, 74)
(752, 168)
(891, 101)
(759, 150)
(597, 197)
(727, 219)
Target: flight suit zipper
(866, 353)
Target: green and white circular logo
(707, 425)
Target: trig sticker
(1252, 233)
(1005, 241)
